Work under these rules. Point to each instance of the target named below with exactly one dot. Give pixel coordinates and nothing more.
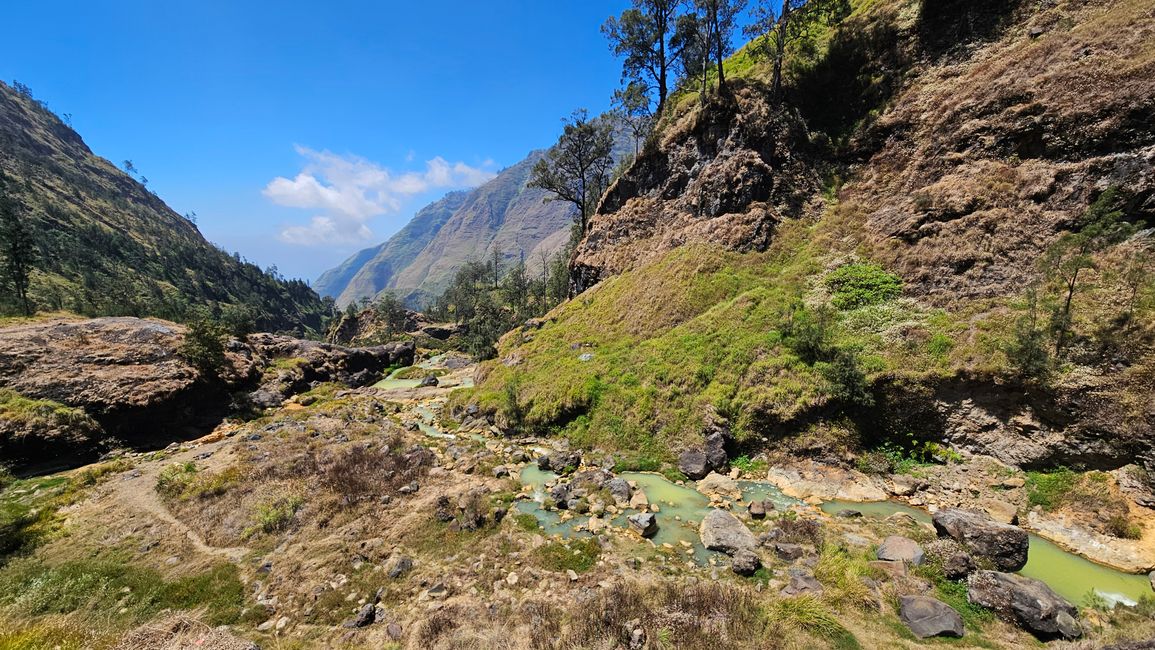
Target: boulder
(1027, 602)
(1004, 545)
(719, 485)
(366, 616)
(398, 566)
(428, 381)
(693, 464)
(745, 563)
(562, 462)
(644, 523)
(716, 451)
(848, 513)
(757, 509)
(619, 489)
(722, 531)
(927, 617)
(1000, 511)
(901, 549)
(957, 566)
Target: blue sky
(300, 132)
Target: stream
(681, 509)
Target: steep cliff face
(724, 173)
(503, 215)
(109, 246)
(951, 143)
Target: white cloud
(350, 191)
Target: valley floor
(364, 518)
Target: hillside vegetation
(107, 246)
(787, 270)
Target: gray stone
(560, 494)
(644, 523)
(397, 566)
(722, 531)
(757, 509)
(1027, 602)
(365, 616)
(957, 566)
(428, 380)
(847, 513)
(619, 489)
(562, 462)
(1004, 545)
(902, 549)
(802, 582)
(789, 552)
(745, 563)
(716, 454)
(927, 617)
(693, 464)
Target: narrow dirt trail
(138, 493)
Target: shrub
(859, 285)
(368, 472)
(204, 347)
(745, 464)
(274, 517)
(173, 480)
(1049, 489)
(578, 555)
(809, 333)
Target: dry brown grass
(181, 632)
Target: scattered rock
(849, 514)
(893, 568)
(1027, 602)
(745, 563)
(722, 531)
(398, 566)
(1004, 545)
(957, 566)
(365, 617)
(904, 485)
(644, 523)
(757, 509)
(393, 631)
(428, 381)
(900, 549)
(802, 581)
(789, 552)
(927, 617)
(1000, 511)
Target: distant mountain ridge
(107, 246)
(417, 262)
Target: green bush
(578, 555)
(204, 347)
(1050, 489)
(274, 517)
(858, 285)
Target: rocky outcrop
(808, 479)
(1026, 602)
(128, 383)
(726, 174)
(1004, 545)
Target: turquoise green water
(680, 509)
(1069, 575)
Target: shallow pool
(1071, 576)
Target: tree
(577, 168)
(18, 249)
(1074, 253)
(641, 36)
(129, 168)
(721, 19)
(632, 106)
(392, 312)
(773, 30)
(691, 38)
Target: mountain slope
(417, 262)
(370, 270)
(109, 246)
(712, 269)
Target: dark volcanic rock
(644, 523)
(694, 464)
(1027, 602)
(927, 617)
(746, 563)
(1004, 545)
